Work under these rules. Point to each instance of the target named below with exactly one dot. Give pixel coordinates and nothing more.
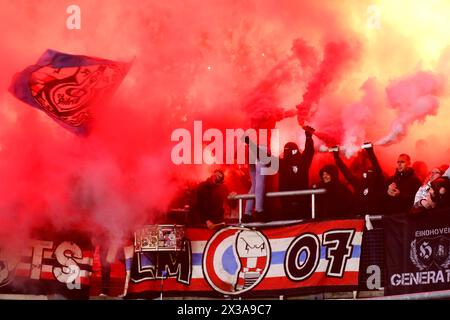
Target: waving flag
(66, 86)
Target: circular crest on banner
(236, 259)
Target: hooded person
(440, 193)
(338, 200)
(369, 186)
(294, 175)
(212, 200)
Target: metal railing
(279, 194)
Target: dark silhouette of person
(401, 187)
(211, 200)
(369, 187)
(338, 200)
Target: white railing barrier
(279, 194)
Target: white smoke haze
(357, 117)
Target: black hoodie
(294, 175)
(369, 189)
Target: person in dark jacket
(211, 200)
(401, 187)
(369, 188)
(338, 200)
(294, 175)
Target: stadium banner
(59, 264)
(267, 261)
(417, 253)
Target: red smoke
(230, 64)
(335, 57)
(415, 97)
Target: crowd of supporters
(370, 192)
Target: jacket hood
(291, 150)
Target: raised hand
(308, 130)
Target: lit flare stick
(336, 148)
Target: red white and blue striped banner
(296, 259)
(60, 266)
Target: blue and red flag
(66, 86)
